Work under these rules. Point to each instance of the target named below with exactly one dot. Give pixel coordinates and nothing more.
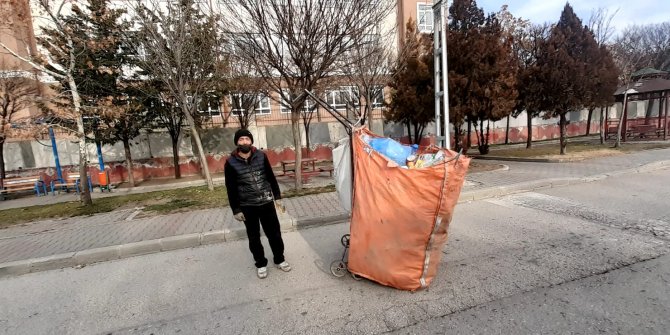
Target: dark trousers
(267, 216)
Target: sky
(541, 11)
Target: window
(424, 14)
(285, 106)
(263, 104)
(241, 102)
(377, 96)
(310, 106)
(236, 103)
(209, 106)
(343, 96)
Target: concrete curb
(534, 160)
(142, 189)
(91, 256)
(287, 223)
(493, 192)
(519, 159)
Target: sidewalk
(52, 244)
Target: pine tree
(412, 85)
(565, 70)
(482, 71)
(494, 88)
(465, 20)
(111, 99)
(529, 83)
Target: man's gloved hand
(279, 206)
(240, 216)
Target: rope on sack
(436, 225)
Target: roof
(647, 71)
(645, 86)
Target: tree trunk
(418, 133)
(307, 153)
(482, 139)
(601, 129)
(175, 158)
(507, 130)
(129, 163)
(409, 131)
(368, 116)
(468, 139)
(457, 138)
(201, 151)
(588, 121)
(2, 161)
(295, 124)
(84, 195)
(203, 157)
(529, 125)
(564, 140)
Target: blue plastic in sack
(392, 149)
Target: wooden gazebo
(647, 84)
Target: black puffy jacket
(250, 182)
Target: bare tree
(179, 46)
(627, 59)
(368, 72)
(244, 90)
(307, 116)
(164, 115)
(60, 42)
(515, 29)
(650, 43)
(17, 93)
(600, 24)
(293, 45)
(243, 105)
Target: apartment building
(18, 33)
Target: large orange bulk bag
(400, 216)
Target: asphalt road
(579, 259)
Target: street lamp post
(440, 58)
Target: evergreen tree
(529, 83)
(111, 100)
(565, 69)
(465, 20)
(412, 85)
(482, 72)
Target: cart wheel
(345, 240)
(355, 276)
(338, 268)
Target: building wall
(407, 9)
(16, 32)
(152, 153)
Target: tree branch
(33, 64)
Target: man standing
(251, 185)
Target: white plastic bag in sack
(342, 172)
